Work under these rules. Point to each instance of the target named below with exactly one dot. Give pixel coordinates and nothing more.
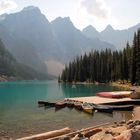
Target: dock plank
(102, 100)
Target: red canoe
(116, 94)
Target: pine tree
(138, 58)
(129, 59)
(133, 77)
(125, 66)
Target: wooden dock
(102, 100)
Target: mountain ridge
(118, 38)
(29, 34)
(60, 41)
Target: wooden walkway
(101, 100)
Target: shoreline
(122, 85)
(125, 86)
(122, 130)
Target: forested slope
(10, 68)
(106, 65)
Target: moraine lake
(20, 115)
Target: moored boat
(46, 103)
(60, 104)
(70, 103)
(78, 105)
(111, 108)
(116, 94)
(104, 109)
(87, 108)
(121, 107)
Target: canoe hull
(60, 105)
(117, 94)
(88, 110)
(45, 103)
(70, 104)
(111, 108)
(122, 108)
(78, 106)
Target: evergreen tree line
(106, 65)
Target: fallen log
(47, 135)
(72, 134)
(75, 137)
(91, 132)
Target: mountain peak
(90, 28)
(108, 28)
(63, 21)
(30, 8)
(90, 32)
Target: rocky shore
(4, 78)
(123, 130)
(119, 131)
(125, 86)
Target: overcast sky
(121, 14)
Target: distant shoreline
(4, 78)
(126, 86)
(115, 84)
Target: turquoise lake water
(21, 116)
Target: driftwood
(72, 134)
(75, 137)
(47, 135)
(57, 134)
(91, 132)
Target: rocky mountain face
(118, 38)
(71, 40)
(20, 37)
(38, 43)
(10, 69)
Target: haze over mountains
(47, 46)
(118, 38)
(10, 69)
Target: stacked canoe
(46, 103)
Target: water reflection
(80, 90)
(122, 115)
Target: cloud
(96, 8)
(7, 5)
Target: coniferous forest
(106, 65)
